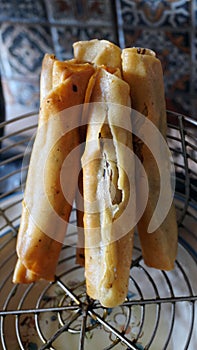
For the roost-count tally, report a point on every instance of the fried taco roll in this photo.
(99, 53)
(143, 72)
(109, 190)
(46, 209)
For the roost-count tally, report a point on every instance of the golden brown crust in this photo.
(108, 177)
(22, 275)
(99, 53)
(107, 237)
(45, 210)
(143, 72)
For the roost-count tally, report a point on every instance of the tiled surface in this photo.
(22, 49)
(30, 28)
(74, 12)
(156, 13)
(170, 29)
(23, 10)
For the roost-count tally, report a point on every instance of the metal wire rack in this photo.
(160, 311)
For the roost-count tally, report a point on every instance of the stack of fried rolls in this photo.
(101, 178)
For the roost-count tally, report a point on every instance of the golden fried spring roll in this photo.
(143, 72)
(109, 190)
(46, 211)
(99, 53)
(21, 273)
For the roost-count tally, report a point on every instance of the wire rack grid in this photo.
(160, 311)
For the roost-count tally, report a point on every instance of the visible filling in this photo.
(110, 172)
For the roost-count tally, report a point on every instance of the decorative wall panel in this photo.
(169, 28)
(29, 28)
